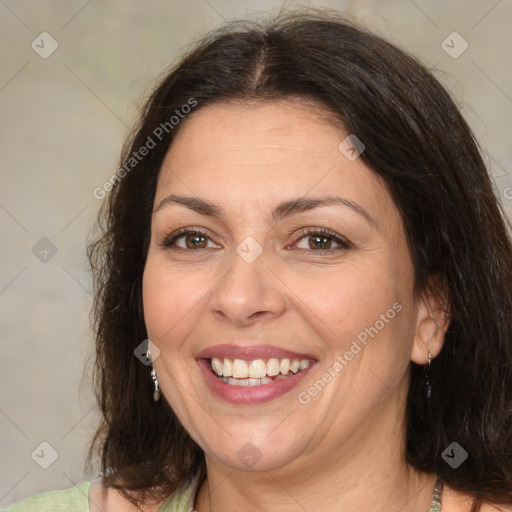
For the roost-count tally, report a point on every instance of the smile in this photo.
(239, 372)
(244, 373)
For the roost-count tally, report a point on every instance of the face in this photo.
(285, 326)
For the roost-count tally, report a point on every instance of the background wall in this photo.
(63, 119)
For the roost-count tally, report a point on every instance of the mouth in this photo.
(249, 374)
(256, 372)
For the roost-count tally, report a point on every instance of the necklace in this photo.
(435, 506)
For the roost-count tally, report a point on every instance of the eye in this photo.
(193, 239)
(321, 240)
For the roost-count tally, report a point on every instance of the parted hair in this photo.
(418, 143)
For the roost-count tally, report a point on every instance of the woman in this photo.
(304, 228)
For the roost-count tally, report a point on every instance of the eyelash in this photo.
(344, 244)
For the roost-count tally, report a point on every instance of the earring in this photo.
(156, 391)
(427, 374)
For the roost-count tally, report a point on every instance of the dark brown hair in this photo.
(418, 143)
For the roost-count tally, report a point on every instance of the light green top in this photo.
(76, 499)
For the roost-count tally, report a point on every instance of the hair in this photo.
(457, 233)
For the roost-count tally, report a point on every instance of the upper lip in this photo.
(250, 352)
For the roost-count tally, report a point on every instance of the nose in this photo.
(248, 292)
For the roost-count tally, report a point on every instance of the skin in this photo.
(345, 444)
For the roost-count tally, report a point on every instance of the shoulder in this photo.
(183, 499)
(489, 507)
(103, 498)
(75, 499)
(457, 501)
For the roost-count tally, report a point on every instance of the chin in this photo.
(252, 450)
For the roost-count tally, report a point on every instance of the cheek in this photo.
(346, 302)
(168, 301)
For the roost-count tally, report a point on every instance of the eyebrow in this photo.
(282, 210)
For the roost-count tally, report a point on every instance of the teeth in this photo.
(238, 372)
(227, 370)
(240, 369)
(257, 369)
(217, 365)
(273, 367)
(249, 382)
(304, 364)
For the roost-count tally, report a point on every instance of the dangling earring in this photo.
(156, 391)
(427, 375)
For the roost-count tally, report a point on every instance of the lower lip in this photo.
(250, 394)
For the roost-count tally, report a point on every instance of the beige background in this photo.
(63, 120)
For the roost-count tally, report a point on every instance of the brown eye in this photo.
(193, 239)
(322, 241)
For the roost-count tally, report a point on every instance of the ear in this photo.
(433, 319)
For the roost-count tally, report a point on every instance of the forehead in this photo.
(273, 130)
(265, 151)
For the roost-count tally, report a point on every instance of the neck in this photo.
(365, 473)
